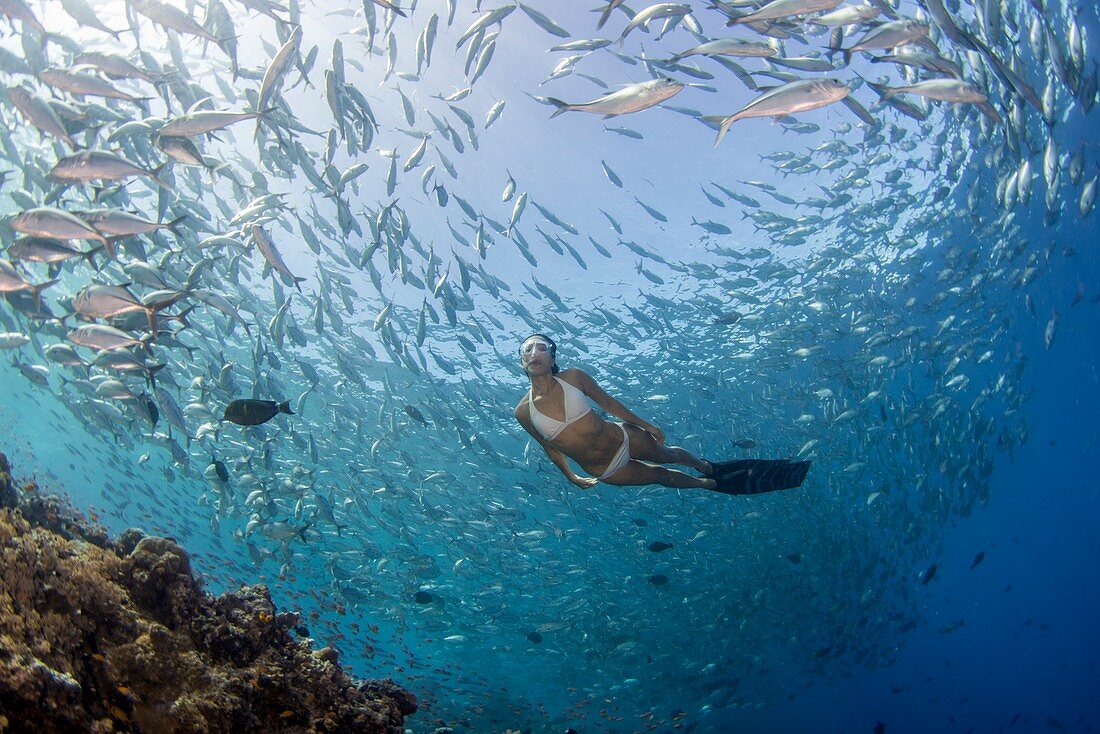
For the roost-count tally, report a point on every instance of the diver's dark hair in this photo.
(553, 350)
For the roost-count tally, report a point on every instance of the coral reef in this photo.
(103, 636)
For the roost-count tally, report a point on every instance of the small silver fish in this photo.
(633, 98)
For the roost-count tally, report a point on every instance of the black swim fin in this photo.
(718, 468)
(755, 476)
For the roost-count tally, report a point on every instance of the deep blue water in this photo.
(1029, 644)
(873, 308)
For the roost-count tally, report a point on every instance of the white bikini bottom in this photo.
(622, 457)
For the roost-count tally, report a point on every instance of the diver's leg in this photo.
(636, 473)
(643, 446)
(683, 457)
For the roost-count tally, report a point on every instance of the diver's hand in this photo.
(585, 482)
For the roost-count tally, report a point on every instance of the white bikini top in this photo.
(576, 407)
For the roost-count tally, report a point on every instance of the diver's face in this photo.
(534, 355)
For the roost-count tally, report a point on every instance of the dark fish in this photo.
(639, 522)
(254, 412)
(880, 728)
(977, 560)
(745, 443)
(415, 414)
(534, 637)
(219, 469)
(929, 574)
(658, 579)
(659, 545)
(794, 557)
(423, 597)
(149, 410)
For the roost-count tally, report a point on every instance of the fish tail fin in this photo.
(37, 290)
(175, 223)
(214, 171)
(284, 407)
(604, 15)
(181, 317)
(154, 175)
(89, 255)
(108, 244)
(562, 107)
(723, 127)
(836, 42)
(146, 342)
(261, 117)
(151, 373)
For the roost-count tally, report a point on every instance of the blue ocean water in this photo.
(813, 610)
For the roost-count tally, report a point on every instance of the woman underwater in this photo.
(557, 414)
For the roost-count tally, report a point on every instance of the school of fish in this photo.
(256, 250)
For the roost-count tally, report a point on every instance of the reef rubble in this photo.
(102, 635)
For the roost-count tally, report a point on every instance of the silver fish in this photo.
(494, 113)
(799, 96)
(168, 16)
(101, 336)
(48, 221)
(100, 165)
(784, 9)
(267, 247)
(946, 90)
(1088, 198)
(108, 301)
(198, 123)
(277, 70)
(80, 84)
(117, 223)
(391, 7)
(848, 15)
(653, 12)
(484, 21)
(729, 47)
(47, 250)
(633, 98)
(13, 340)
(888, 35)
(19, 10)
(39, 114)
(543, 22)
(84, 14)
(12, 282)
(114, 66)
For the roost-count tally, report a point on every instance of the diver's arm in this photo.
(612, 406)
(556, 456)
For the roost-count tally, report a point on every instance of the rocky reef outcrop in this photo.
(102, 635)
